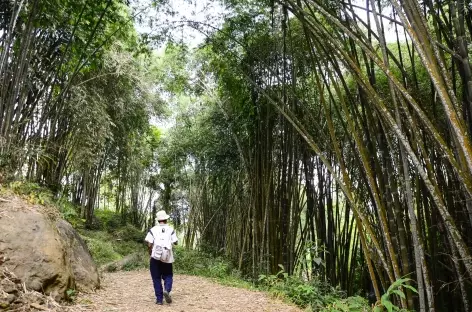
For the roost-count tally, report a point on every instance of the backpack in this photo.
(160, 253)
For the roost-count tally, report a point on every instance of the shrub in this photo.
(69, 212)
(316, 295)
(129, 233)
(141, 260)
(33, 192)
(102, 251)
(108, 220)
(396, 289)
(198, 263)
(127, 247)
(350, 304)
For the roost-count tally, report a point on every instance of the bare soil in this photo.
(132, 291)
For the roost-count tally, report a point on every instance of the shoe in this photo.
(167, 297)
(158, 302)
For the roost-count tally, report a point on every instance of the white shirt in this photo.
(163, 235)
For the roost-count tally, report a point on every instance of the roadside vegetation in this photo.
(109, 241)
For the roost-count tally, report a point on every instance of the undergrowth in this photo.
(110, 240)
(110, 245)
(105, 248)
(193, 262)
(314, 295)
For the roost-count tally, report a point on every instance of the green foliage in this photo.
(69, 212)
(139, 261)
(124, 247)
(199, 263)
(350, 304)
(108, 247)
(108, 220)
(171, 69)
(394, 289)
(114, 247)
(33, 192)
(314, 295)
(71, 294)
(102, 250)
(128, 233)
(113, 241)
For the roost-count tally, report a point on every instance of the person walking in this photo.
(160, 240)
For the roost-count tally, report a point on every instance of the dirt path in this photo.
(132, 291)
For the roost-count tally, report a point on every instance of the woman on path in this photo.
(160, 239)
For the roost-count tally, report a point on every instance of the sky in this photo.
(203, 12)
(390, 35)
(212, 12)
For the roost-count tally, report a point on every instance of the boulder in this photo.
(43, 250)
(83, 267)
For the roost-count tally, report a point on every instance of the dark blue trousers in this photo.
(161, 271)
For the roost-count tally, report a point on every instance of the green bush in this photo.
(102, 251)
(129, 233)
(314, 295)
(33, 192)
(26, 188)
(350, 304)
(127, 247)
(70, 213)
(395, 290)
(108, 220)
(114, 248)
(141, 260)
(194, 262)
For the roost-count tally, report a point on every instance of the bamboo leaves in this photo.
(387, 131)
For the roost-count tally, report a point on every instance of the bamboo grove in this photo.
(75, 103)
(337, 144)
(330, 137)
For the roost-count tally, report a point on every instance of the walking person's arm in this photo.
(150, 241)
(173, 238)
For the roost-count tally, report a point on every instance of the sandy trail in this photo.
(132, 291)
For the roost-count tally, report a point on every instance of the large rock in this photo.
(83, 267)
(43, 250)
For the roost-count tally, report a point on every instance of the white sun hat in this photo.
(162, 215)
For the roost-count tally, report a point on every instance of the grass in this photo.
(104, 248)
(314, 295)
(111, 245)
(107, 247)
(193, 262)
(102, 251)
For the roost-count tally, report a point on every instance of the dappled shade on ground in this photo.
(132, 291)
